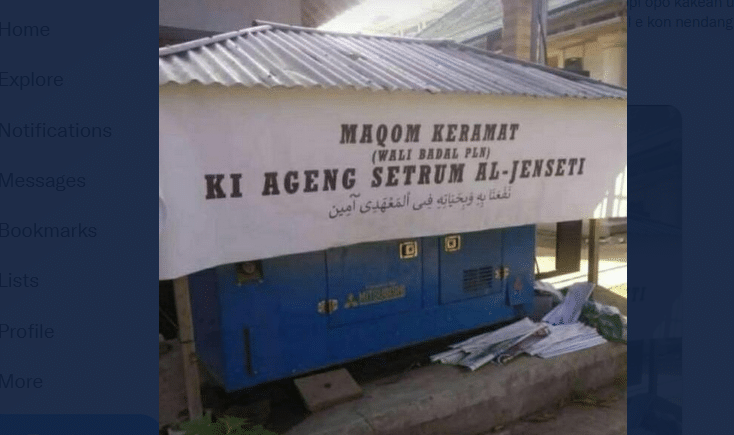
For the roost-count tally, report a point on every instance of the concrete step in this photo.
(442, 399)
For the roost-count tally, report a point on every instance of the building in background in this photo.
(587, 36)
(404, 18)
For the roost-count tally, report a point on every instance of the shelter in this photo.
(275, 99)
(334, 195)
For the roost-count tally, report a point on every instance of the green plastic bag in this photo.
(608, 321)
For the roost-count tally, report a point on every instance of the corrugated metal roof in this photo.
(473, 18)
(273, 55)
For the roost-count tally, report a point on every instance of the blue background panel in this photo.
(655, 396)
(98, 294)
(76, 424)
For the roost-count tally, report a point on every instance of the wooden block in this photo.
(327, 389)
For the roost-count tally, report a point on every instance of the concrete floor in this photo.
(605, 413)
(439, 399)
(612, 263)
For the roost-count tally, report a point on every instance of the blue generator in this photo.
(266, 320)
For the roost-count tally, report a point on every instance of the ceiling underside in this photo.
(317, 12)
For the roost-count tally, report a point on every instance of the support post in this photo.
(543, 32)
(568, 246)
(516, 28)
(614, 58)
(534, 31)
(594, 228)
(188, 349)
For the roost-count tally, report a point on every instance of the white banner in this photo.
(249, 174)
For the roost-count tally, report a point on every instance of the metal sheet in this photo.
(508, 332)
(569, 310)
(480, 350)
(273, 55)
(566, 338)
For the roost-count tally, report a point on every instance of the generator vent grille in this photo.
(477, 280)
